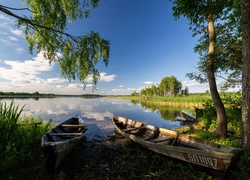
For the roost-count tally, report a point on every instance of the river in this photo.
(96, 112)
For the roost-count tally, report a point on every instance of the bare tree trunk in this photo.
(245, 10)
(221, 130)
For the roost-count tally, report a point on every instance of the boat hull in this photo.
(58, 144)
(180, 146)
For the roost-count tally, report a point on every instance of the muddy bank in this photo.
(118, 158)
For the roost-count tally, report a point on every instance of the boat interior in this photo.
(68, 130)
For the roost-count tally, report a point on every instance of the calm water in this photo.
(97, 112)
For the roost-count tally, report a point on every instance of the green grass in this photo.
(20, 141)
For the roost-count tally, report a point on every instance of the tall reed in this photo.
(8, 123)
(20, 140)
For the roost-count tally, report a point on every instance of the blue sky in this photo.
(147, 44)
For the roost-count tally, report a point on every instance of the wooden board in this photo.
(65, 134)
(73, 125)
(133, 128)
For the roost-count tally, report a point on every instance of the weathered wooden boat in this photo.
(58, 142)
(180, 146)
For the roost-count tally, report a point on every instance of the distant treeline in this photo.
(25, 94)
(37, 94)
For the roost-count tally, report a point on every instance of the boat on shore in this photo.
(59, 142)
(180, 146)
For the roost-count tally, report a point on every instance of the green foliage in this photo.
(209, 114)
(80, 61)
(45, 31)
(185, 91)
(169, 86)
(134, 93)
(228, 46)
(233, 111)
(233, 100)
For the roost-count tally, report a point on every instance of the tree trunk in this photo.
(221, 130)
(245, 10)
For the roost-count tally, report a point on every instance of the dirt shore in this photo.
(117, 158)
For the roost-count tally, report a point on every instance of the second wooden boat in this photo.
(180, 146)
(58, 142)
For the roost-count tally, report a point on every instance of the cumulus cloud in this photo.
(25, 71)
(106, 78)
(195, 86)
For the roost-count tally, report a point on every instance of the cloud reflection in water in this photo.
(96, 112)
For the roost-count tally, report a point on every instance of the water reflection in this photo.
(98, 112)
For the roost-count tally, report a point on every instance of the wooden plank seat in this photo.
(132, 129)
(162, 140)
(72, 125)
(66, 134)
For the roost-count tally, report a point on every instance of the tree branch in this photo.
(34, 24)
(16, 9)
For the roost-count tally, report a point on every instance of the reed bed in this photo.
(191, 100)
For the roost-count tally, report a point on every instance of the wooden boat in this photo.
(180, 146)
(58, 142)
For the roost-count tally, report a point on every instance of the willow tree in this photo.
(45, 30)
(203, 16)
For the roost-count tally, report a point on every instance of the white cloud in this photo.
(75, 86)
(12, 38)
(59, 86)
(16, 32)
(26, 72)
(28, 67)
(5, 18)
(194, 86)
(9, 32)
(103, 77)
(4, 41)
(116, 90)
(148, 82)
(19, 50)
(107, 78)
(56, 80)
(131, 89)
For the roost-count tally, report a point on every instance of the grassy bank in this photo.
(180, 101)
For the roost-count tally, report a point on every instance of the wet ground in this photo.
(118, 158)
